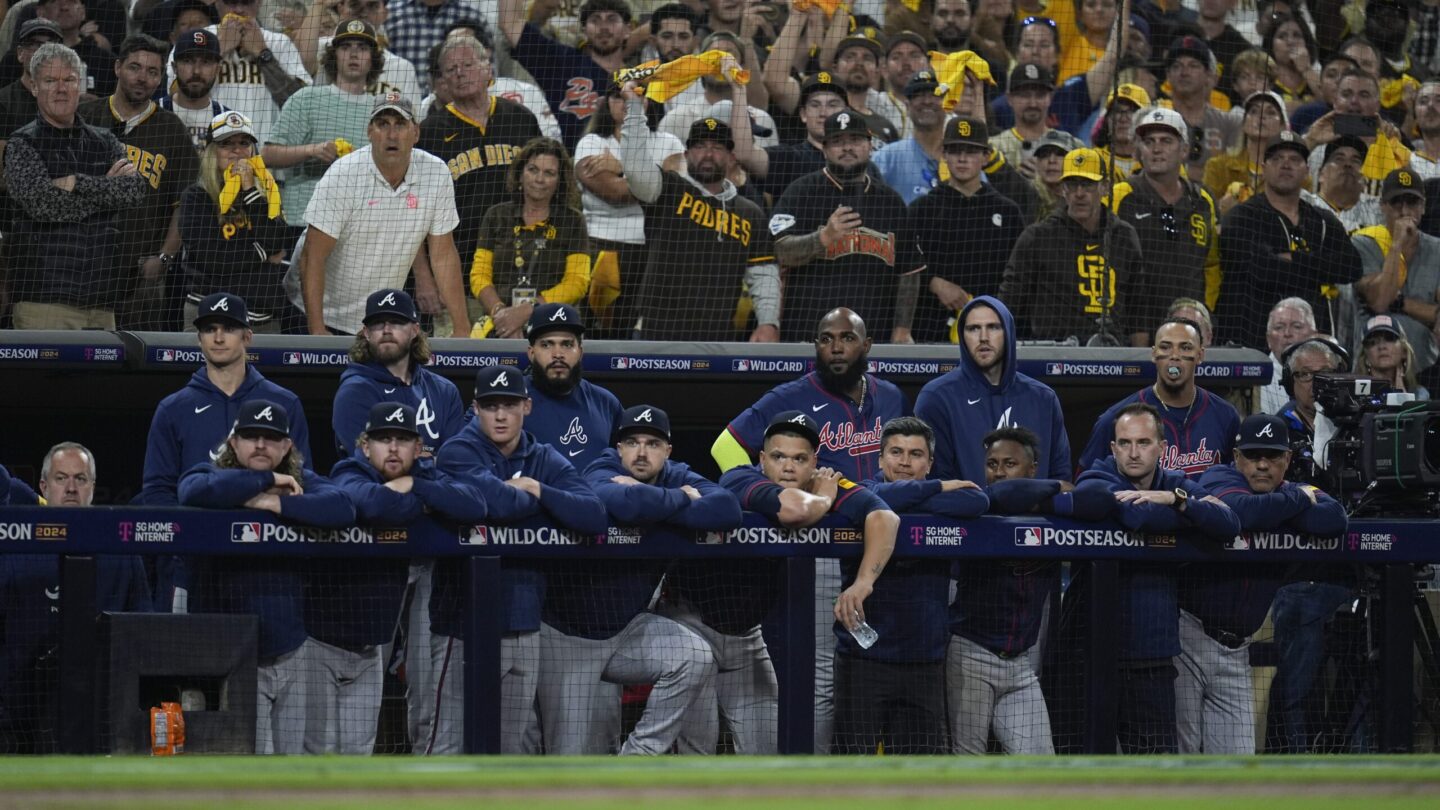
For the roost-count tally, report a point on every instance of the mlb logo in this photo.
(619, 362)
(244, 532)
(710, 538)
(1054, 369)
(475, 536)
(1028, 536)
(739, 365)
(291, 359)
(167, 355)
(1238, 543)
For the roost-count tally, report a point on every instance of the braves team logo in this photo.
(1265, 431)
(644, 416)
(502, 381)
(1197, 461)
(387, 301)
(266, 414)
(223, 305)
(425, 417)
(559, 316)
(244, 532)
(799, 419)
(575, 433)
(397, 416)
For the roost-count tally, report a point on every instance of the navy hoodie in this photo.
(1234, 596)
(907, 607)
(962, 406)
(354, 603)
(1149, 608)
(272, 589)
(612, 592)
(565, 500)
(439, 409)
(579, 424)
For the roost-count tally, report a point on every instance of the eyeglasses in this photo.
(1302, 376)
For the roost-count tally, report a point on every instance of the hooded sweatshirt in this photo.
(962, 406)
(565, 500)
(439, 410)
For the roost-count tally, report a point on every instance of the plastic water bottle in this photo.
(865, 635)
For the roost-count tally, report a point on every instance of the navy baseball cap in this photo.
(262, 414)
(644, 419)
(795, 422)
(391, 417)
(822, 82)
(549, 317)
(391, 303)
(197, 40)
(500, 381)
(710, 129)
(38, 25)
(1287, 140)
(223, 306)
(922, 82)
(1263, 432)
(845, 122)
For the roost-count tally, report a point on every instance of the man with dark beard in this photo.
(950, 22)
(197, 65)
(574, 416)
(850, 406)
(699, 214)
(845, 240)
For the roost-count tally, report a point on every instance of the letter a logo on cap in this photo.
(798, 419)
(223, 305)
(558, 316)
(1265, 431)
(397, 416)
(644, 416)
(266, 415)
(388, 300)
(503, 379)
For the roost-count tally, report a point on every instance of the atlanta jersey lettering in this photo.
(1198, 437)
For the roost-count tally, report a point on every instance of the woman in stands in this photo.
(1297, 76)
(533, 248)
(614, 218)
(1235, 176)
(1388, 355)
(233, 236)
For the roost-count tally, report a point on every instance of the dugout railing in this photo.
(1389, 547)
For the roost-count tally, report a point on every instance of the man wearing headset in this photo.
(1299, 365)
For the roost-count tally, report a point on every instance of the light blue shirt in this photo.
(907, 169)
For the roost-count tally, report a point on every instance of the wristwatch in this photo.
(1398, 305)
(1182, 497)
(265, 57)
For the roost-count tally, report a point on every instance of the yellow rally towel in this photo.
(950, 69)
(482, 328)
(1384, 156)
(831, 6)
(263, 179)
(1381, 235)
(665, 81)
(342, 148)
(1392, 91)
(605, 282)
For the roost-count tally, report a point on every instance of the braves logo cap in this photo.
(391, 303)
(795, 422)
(222, 306)
(391, 416)
(549, 317)
(262, 414)
(644, 419)
(1263, 432)
(500, 381)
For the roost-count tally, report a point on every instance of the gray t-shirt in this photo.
(1422, 278)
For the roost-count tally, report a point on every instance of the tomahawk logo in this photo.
(223, 305)
(558, 316)
(388, 300)
(266, 414)
(397, 416)
(1028, 536)
(244, 532)
(644, 416)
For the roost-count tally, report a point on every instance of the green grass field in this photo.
(720, 783)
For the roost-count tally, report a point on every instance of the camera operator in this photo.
(1301, 362)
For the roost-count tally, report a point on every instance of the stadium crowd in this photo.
(1094, 172)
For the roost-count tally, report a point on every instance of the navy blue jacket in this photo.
(999, 604)
(439, 409)
(1234, 596)
(580, 424)
(190, 425)
(354, 603)
(603, 596)
(1149, 611)
(962, 406)
(907, 607)
(271, 589)
(565, 500)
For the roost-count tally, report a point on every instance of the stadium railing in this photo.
(1391, 547)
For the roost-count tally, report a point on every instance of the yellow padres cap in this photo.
(1133, 93)
(1083, 163)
